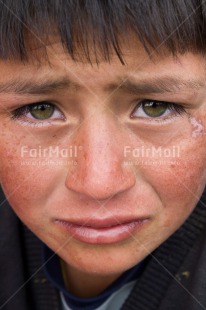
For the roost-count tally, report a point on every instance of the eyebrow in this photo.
(156, 85)
(31, 87)
(144, 86)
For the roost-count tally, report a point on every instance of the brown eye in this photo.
(41, 111)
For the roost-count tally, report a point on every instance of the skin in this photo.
(100, 184)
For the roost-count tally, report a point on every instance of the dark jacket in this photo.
(173, 279)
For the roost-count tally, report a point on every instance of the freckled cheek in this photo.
(28, 188)
(20, 185)
(180, 184)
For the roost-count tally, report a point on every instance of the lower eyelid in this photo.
(37, 123)
(170, 117)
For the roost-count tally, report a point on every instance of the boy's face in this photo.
(117, 161)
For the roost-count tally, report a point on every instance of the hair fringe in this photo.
(91, 28)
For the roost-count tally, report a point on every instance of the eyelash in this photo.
(22, 111)
(173, 107)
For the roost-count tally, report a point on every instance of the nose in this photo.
(100, 172)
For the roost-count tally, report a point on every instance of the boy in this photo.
(102, 119)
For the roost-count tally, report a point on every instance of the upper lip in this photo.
(102, 223)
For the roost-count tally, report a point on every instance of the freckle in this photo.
(197, 127)
(172, 166)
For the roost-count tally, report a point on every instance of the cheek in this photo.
(179, 182)
(27, 187)
(21, 186)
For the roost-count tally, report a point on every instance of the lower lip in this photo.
(106, 235)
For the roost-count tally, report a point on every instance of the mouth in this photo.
(102, 231)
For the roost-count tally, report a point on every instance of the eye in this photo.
(38, 111)
(156, 109)
(42, 111)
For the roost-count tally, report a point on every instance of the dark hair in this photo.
(99, 25)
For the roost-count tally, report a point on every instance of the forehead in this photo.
(51, 61)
